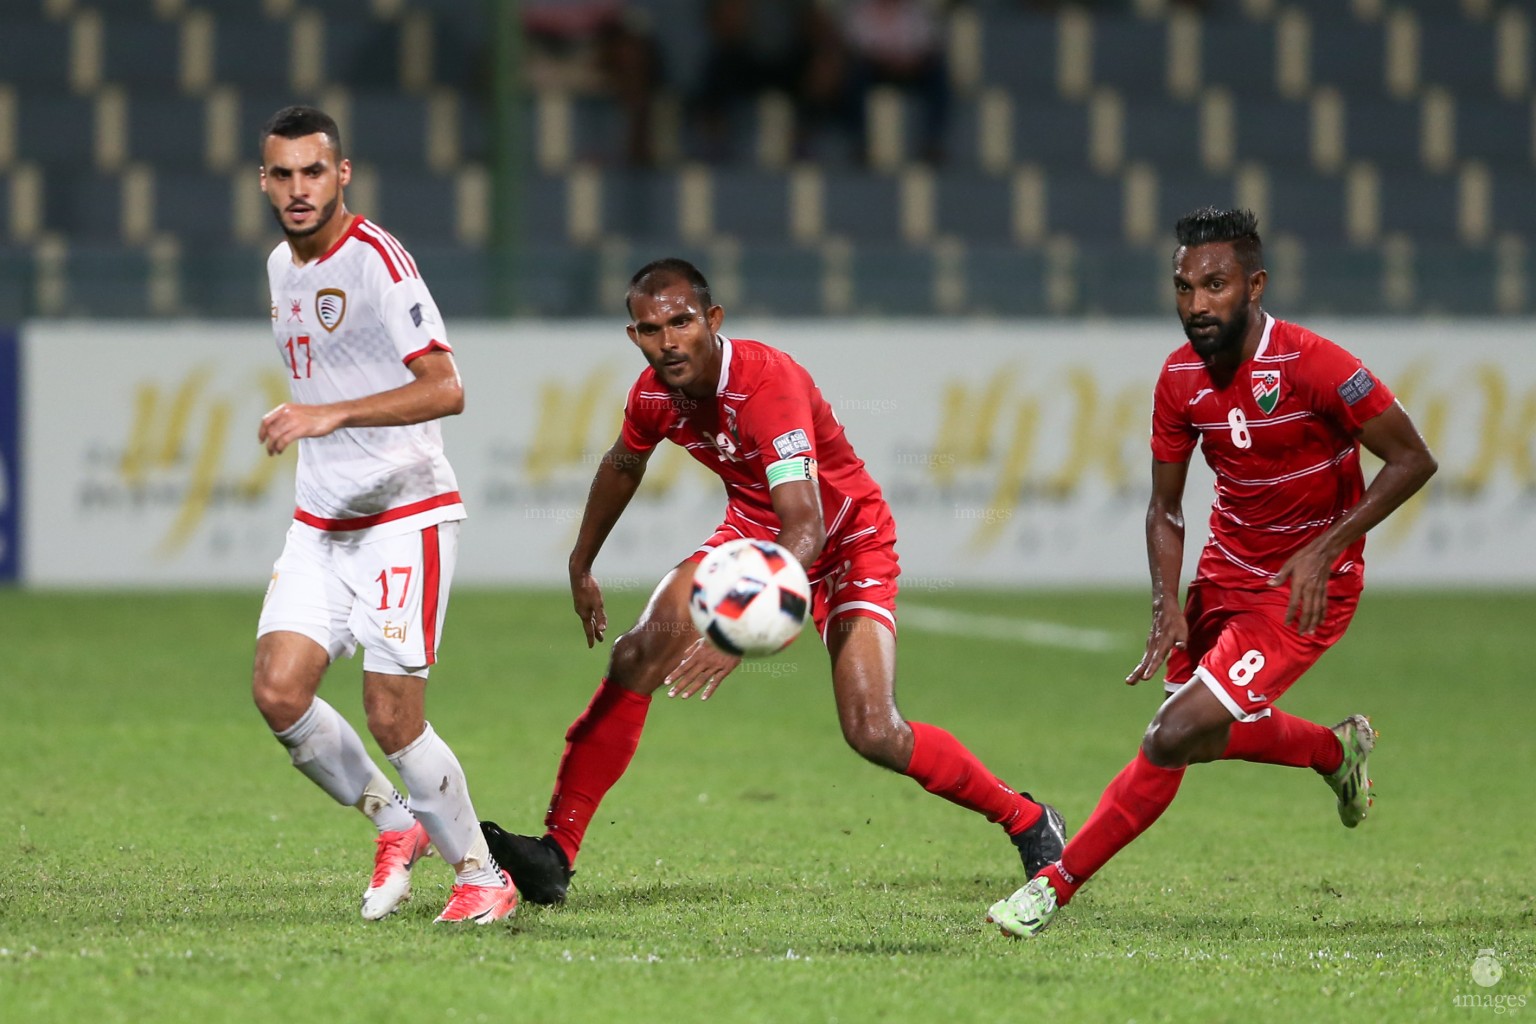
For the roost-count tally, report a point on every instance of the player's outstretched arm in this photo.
(1408, 465)
(1165, 559)
(802, 527)
(618, 476)
(436, 392)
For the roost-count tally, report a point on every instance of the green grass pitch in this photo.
(163, 862)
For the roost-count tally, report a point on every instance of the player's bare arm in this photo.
(802, 528)
(803, 532)
(1408, 465)
(436, 392)
(1165, 559)
(618, 476)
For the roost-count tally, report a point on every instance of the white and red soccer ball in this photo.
(750, 597)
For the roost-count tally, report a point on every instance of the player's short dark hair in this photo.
(655, 275)
(1240, 227)
(298, 121)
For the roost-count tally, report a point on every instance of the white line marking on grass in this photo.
(996, 627)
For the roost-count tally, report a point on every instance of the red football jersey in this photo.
(767, 409)
(1281, 439)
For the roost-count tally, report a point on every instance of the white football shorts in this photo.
(390, 594)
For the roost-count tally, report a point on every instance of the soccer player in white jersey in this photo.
(370, 555)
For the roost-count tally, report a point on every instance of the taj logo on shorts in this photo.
(394, 631)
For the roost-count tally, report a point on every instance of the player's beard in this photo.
(324, 217)
(1228, 336)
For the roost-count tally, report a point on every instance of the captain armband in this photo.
(802, 467)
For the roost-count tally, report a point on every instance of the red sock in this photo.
(1134, 800)
(941, 765)
(1285, 739)
(598, 747)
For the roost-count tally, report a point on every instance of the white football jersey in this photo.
(346, 325)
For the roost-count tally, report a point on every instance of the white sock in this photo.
(384, 805)
(326, 748)
(439, 798)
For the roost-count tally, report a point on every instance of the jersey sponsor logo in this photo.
(395, 630)
(1360, 384)
(1266, 390)
(792, 443)
(330, 307)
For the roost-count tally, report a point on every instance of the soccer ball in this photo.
(750, 597)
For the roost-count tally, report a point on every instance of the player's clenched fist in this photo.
(289, 422)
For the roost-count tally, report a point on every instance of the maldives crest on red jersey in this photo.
(1266, 389)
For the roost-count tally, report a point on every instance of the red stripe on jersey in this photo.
(433, 345)
(378, 246)
(387, 516)
(351, 232)
(432, 580)
(392, 251)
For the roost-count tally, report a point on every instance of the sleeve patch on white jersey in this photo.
(791, 444)
(420, 315)
(1357, 387)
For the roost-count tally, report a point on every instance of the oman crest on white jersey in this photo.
(330, 307)
(1266, 389)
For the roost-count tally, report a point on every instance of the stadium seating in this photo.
(1391, 147)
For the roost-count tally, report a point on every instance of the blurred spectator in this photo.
(900, 43)
(756, 46)
(601, 47)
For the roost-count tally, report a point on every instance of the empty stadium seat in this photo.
(1459, 54)
(977, 208)
(1050, 131)
(1350, 56)
(1019, 53)
(1422, 205)
(107, 280)
(892, 280)
(1163, 132)
(35, 54)
(362, 53)
(1497, 131)
(83, 205)
(1239, 56)
(862, 206)
(56, 129)
(1384, 130)
(783, 280)
(1007, 280)
(1343, 279)
(1131, 54)
(1309, 205)
(751, 205)
(198, 206)
(167, 129)
(1273, 131)
(418, 206)
(252, 53)
(1457, 279)
(141, 52)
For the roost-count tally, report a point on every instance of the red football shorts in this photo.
(861, 582)
(1242, 650)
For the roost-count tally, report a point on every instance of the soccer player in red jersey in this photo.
(1280, 414)
(754, 416)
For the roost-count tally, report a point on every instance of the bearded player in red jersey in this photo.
(1280, 414)
(752, 415)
